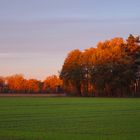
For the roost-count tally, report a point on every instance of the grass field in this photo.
(32, 118)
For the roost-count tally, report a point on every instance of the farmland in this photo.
(67, 118)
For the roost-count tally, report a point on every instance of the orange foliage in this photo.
(16, 83)
(32, 86)
(51, 83)
(105, 67)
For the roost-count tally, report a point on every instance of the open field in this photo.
(31, 118)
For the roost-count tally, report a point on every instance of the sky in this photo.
(36, 35)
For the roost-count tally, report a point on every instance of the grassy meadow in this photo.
(32, 118)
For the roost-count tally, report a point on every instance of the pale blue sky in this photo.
(36, 35)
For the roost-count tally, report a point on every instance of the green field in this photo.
(33, 118)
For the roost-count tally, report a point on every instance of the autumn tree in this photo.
(88, 59)
(2, 83)
(71, 72)
(32, 86)
(133, 51)
(109, 54)
(52, 84)
(16, 83)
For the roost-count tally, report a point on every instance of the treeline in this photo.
(112, 68)
(18, 84)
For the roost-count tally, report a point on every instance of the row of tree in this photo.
(18, 84)
(110, 69)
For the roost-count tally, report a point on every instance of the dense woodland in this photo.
(111, 69)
